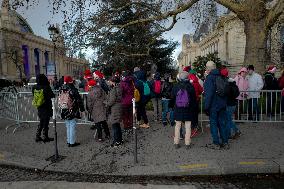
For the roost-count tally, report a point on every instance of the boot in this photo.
(47, 139)
(38, 133)
(38, 139)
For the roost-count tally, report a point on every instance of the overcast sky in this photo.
(39, 16)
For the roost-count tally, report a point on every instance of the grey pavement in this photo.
(80, 185)
(258, 150)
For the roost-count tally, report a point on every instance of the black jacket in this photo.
(233, 92)
(270, 82)
(44, 110)
(184, 114)
(77, 106)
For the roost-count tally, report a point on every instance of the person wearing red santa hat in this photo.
(69, 95)
(99, 77)
(270, 83)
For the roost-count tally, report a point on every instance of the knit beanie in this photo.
(210, 65)
(68, 79)
(183, 75)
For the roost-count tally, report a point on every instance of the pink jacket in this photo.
(242, 83)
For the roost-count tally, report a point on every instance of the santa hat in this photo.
(97, 74)
(87, 74)
(92, 83)
(224, 72)
(271, 69)
(187, 68)
(68, 79)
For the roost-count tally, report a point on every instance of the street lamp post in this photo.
(53, 33)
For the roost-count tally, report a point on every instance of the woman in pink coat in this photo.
(242, 83)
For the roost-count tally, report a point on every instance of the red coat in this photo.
(197, 87)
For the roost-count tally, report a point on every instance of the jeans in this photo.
(218, 127)
(166, 110)
(117, 135)
(187, 132)
(230, 124)
(100, 127)
(71, 131)
(157, 104)
(253, 109)
(141, 112)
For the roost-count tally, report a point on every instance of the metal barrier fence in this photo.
(18, 108)
(267, 108)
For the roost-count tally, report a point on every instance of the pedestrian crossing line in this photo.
(193, 166)
(251, 163)
(1, 156)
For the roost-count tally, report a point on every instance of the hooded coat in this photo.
(45, 110)
(114, 103)
(96, 104)
(127, 89)
(213, 102)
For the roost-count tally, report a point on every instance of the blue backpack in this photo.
(146, 89)
(182, 99)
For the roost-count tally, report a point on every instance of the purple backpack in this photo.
(182, 99)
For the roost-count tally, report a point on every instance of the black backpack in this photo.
(222, 85)
(234, 90)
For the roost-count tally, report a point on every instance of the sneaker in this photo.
(93, 127)
(38, 139)
(177, 146)
(47, 139)
(237, 135)
(188, 146)
(173, 124)
(165, 124)
(194, 132)
(146, 126)
(213, 146)
(100, 140)
(116, 144)
(225, 146)
(73, 145)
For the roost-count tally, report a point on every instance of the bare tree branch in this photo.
(274, 13)
(163, 16)
(236, 7)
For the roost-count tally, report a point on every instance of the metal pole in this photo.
(56, 156)
(55, 70)
(134, 132)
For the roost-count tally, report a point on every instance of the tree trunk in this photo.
(256, 45)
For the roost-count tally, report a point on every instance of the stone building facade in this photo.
(228, 40)
(24, 55)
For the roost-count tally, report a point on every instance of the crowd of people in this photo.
(175, 102)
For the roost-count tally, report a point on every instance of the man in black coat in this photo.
(45, 110)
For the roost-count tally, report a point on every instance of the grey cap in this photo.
(183, 75)
(210, 65)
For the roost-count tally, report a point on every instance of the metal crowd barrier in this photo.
(18, 108)
(269, 107)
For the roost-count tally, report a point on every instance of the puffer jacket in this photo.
(96, 104)
(213, 102)
(242, 83)
(114, 103)
(255, 83)
(127, 89)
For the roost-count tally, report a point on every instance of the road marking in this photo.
(252, 163)
(1, 156)
(193, 166)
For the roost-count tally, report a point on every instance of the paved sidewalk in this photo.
(80, 185)
(259, 150)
